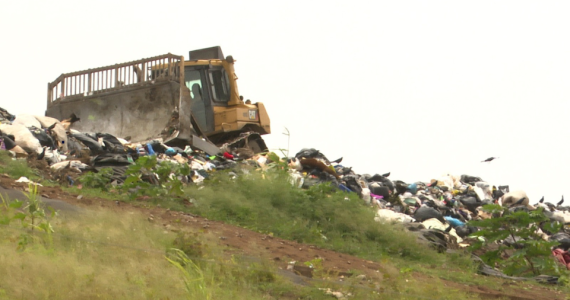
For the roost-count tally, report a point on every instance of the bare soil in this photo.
(282, 252)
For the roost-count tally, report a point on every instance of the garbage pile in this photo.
(73, 152)
(438, 211)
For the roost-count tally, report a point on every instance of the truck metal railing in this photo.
(115, 77)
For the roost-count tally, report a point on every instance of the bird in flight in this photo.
(489, 159)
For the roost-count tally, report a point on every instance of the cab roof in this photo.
(206, 53)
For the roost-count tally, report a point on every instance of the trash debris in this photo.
(26, 180)
(437, 211)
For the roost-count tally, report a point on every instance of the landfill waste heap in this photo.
(437, 211)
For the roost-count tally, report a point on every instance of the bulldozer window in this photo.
(219, 84)
(192, 77)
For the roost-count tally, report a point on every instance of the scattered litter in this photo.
(437, 210)
(26, 180)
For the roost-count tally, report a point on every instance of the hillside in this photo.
(398, 268)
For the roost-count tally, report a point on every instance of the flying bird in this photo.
(489, 159)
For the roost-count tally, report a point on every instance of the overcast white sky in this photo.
(418, 88)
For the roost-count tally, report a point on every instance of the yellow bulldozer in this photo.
(185, 102)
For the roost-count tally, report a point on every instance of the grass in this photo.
(91, 257)
(106, 256)
(16, 168)
(95, 193)
(329, 219)
(319, 216)
(103, 255)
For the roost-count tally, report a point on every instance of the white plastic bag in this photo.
(27, 121)
(22, 137)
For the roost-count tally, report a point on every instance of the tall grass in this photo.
(104, 255)
(319, 215)
(95, 256)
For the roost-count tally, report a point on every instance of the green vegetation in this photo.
(32, 216)
(97, 180)
(15, 168)
(163, 184)
(106, 256)
(330, 219)
(102, 255)
(86, 260)
(527, 254)
(267, 202)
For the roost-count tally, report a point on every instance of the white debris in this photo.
(23, 137)
(74, 165)
(26, 180)
(434, 223)
(337, 294)
(383, 215)
(26, 121)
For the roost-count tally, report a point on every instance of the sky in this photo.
(416, 88)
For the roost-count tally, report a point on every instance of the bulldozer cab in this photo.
(209, 84)
(209, 87)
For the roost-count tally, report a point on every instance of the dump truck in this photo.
(185, 102)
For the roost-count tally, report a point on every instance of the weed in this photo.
(97, 180)
(192, 274)
(316, 265)
(150, 178)
(32, 217)
(190, 245)
(527, 253)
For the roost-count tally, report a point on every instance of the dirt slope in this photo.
(254, 244)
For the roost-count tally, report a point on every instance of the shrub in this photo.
(141, 178)
(528, 253)
(98, 180)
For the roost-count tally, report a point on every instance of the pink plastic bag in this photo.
(562, 256)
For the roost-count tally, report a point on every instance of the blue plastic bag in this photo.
(170, 152)
(150, 151)
(453, 221)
